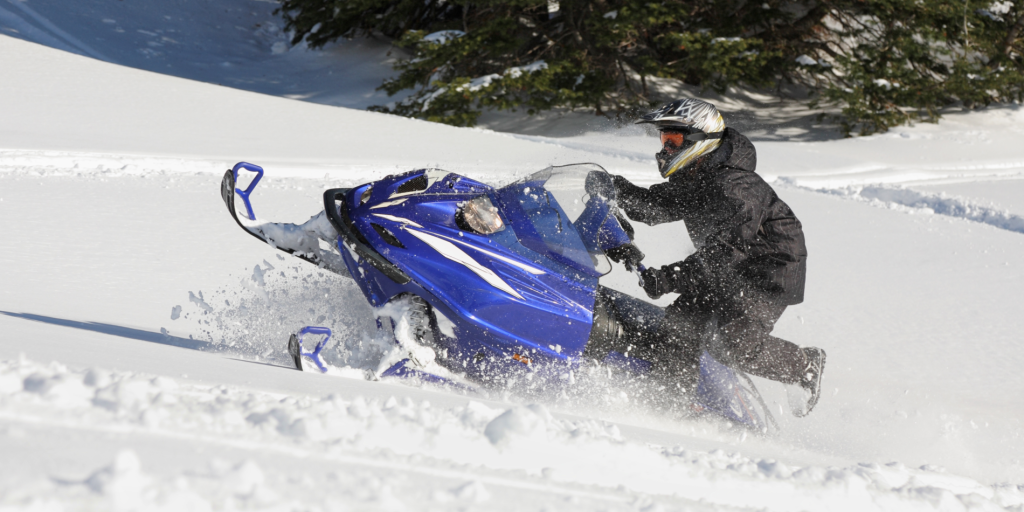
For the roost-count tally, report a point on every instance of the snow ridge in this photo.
(912, 201)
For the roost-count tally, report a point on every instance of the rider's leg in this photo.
(745, 343)
(675, 351)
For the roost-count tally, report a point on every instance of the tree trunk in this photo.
(1012, 36)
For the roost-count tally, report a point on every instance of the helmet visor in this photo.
(673, 140)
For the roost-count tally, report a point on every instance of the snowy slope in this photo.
(111, 219)
(62, 101)
(237, 43)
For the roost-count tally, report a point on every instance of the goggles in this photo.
(675, 139)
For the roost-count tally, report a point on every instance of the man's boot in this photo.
(803, 395)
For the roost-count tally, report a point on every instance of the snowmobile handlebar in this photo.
(639, 271)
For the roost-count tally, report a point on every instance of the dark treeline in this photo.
(883, 62)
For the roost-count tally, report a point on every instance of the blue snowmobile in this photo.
(501, 282)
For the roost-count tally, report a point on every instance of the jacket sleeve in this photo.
(732, 234)
(656, 205)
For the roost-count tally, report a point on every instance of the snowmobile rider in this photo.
(749, 265)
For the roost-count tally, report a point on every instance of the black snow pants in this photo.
(735, 331)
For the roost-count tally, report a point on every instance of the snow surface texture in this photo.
(153, 329)
(396, 453)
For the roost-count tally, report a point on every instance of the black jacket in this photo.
(747, 239)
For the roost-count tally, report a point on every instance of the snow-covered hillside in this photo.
(142, 333)
(237, 43)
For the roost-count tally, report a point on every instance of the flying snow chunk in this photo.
(257, 276)
(199, 301)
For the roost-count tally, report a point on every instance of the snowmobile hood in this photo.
(394, 189)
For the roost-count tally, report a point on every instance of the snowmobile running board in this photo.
(402, 370)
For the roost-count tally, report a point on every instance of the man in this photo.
(749, 265)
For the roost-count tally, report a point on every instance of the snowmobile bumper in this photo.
(297, 352)
(244, 194)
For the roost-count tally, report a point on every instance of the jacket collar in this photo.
(736, 152)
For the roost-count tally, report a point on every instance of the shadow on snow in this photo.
(117, 330)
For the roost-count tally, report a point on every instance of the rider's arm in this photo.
(733, 232)
(651, 206)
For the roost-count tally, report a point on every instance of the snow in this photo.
(517, 71)
(881, 82)
(478, 449)
(111, 219)
(806, 60)
(237, 43)
(920, 202)
(485, 81)
(443, 36)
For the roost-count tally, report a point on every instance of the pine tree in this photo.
(884, 62)
(896, 61)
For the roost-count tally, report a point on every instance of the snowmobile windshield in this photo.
(553, 214)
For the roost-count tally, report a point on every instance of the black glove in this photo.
(627, 254)
(655, 282)
(599, 183)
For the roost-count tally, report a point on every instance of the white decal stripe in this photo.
(533, 270)
(387, 203)
(452, 252)
(400, 194)
(396, 219)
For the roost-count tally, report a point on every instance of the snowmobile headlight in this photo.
(482, 216)
(366, 196)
